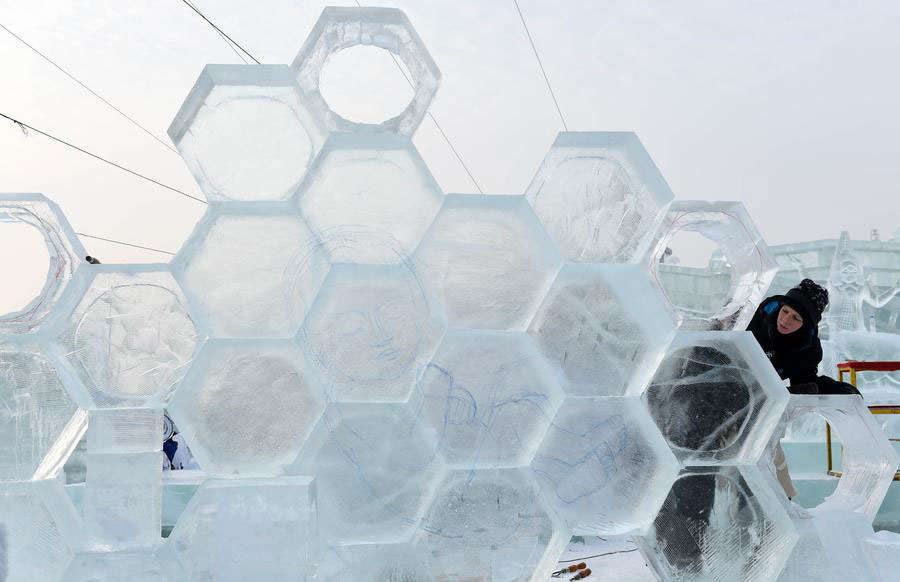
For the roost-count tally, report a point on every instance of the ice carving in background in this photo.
(63, 247)
(728, 225)
(716, 398)
(605, 327)
(600, 196)
(130, 336)
(603, 465)
(719, 523)
(245, 134)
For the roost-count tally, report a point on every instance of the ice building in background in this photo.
(385, 382)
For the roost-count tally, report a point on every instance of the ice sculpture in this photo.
(883, 550)
(719, 523)
(716, 398)
(752, 265)
(600, 196)
(604, 327)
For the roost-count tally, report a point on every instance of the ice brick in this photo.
(340, 28)
(603, 465)
(39, 424)
(376, 469)
(369, 184)
(400, 562)
(600, 196)
(245, 133)
(370, 332)
(492, 525)
(247, 406)
(130, 336)
(131, 566)
(719, 524)
(64, 249)
(883, 550)
(246, 529)
(488, 261)
(125, 430)
(830, 549)
(251, 270)
(39, 528)
(716, 398)
(751, 264)
(605, 327)
(489, 396)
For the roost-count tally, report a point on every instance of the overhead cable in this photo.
(118, 242)
(219, 30)
(89, 90)
(102, 159)
(541, 65)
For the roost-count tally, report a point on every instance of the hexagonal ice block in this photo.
(376, 469)
(373, 187)
(604, 466)
(488, 261)
(64, 248)
(251, 270)
(370, 332)
(400, 562)
(247, 406)
(868, 462)
(489, 395)
(130, 337)
(245, 133)
(605, 327)
(599, 195)
(135, 566)
(752, 266)
(39, 423)
(38, 529)
(719, 523)
(339, 28)
(831, 548)
(492, 525)
(716, 398)
(246, 529)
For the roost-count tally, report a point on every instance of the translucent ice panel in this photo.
(376, 469)
(370, 332)
(133, 566)
(489, 396)
(752, 266)
(401, 562)
(129, 337)
(38, 527)
(831, 548)
(605, 327)
(491, 525)
(719, 524)
(245, 134)
(487, 259)
(246, 529)
(377, 184)
(123, 499)
(883, 550)
(603, 465)
(125, 430)
(35, 413)
(716, 398)
(339, 28)
(599, 195)
(251, 272)
(63, 247)
(247, 406)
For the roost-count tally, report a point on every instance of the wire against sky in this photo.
(223, 37)
(89, 90)
(102, 159)
(118, 242)
(541, 65)
(219, 30)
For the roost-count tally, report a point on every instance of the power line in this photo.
(219, 30)
(88, 89)
(541, 65)
(435, 121)
(118, 242)
(95, 156)
(223, 37)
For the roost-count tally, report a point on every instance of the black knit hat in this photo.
(809, 298)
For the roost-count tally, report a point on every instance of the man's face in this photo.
(789, 320)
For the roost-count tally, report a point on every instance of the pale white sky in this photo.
(790, 107)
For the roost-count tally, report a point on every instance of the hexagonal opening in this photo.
(366, 84)
(25, 260)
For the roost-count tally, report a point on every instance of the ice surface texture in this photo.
(728, 225)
